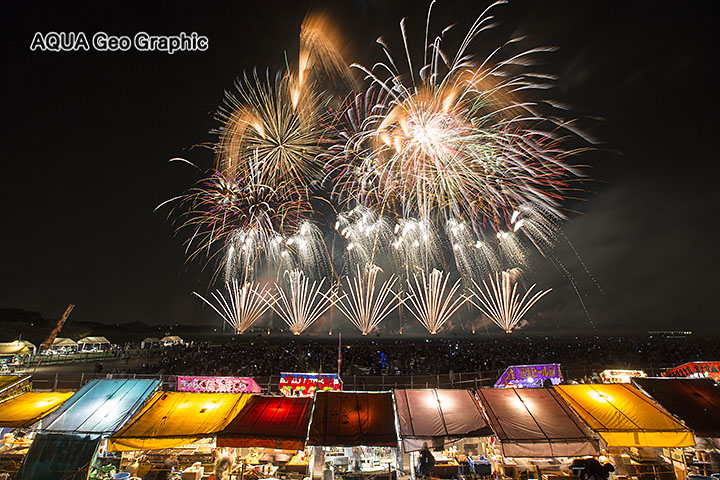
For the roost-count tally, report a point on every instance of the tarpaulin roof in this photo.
(624, 417)
(54, 456)
(94, 340)
(171, 419)
(8, 349)
(101, 406)
(348, 419)
(433, 415)
(696, 401)
(28, 408)
(536, 423)
(269, 422)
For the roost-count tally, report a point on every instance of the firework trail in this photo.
(367, 233)
(430, 302)
(364, 304)
(243, 306)
(300, 303)
(501, 302)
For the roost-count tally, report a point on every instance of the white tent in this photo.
(63, 344)
(171, 340)
(93, 343)
(149, 342)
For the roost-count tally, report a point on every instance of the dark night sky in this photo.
(87, 137)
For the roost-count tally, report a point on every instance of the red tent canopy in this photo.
(269, 422)
(348, 419)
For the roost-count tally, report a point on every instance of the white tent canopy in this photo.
(149, 341)
(89, 343)
(171, 340)
(64, 342)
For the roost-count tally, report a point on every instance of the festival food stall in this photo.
(695, 370)
(444, 420)
(634, 429)
(18, 414)
(62, 345)
(620, 376)
(179, 423)
(695, 401)
(269, 433)
(530, 376)
(354, 433)
(536, 430)
(71, 435)
(305, 384)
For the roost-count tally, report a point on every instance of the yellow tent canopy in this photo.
(28, 408)
(171, 419)
(624, 417)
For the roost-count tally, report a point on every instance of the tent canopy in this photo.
(101, 406)
(171, 339)
(28, 408)
(54, 456)
(64, 342)
(151, 340)
(624, 417)
(536, 423)
(94, 341)
(10, 349)
(171, 419)
(348, 419)
(696, 401)
(435, 415)
(269, 422)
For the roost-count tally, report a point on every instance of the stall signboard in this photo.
(14, 385)
(621, 376)
(530, 376)
(695, 370)
(305, 384)
(217, 385)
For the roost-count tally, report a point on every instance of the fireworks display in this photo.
(425, 169)
(299, 302)
(244, 305)
(365, 304)
(431, 302)
(502, 303)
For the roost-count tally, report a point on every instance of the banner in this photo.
(530, 376)
(305, 384)
(695, 370)
(217, 385)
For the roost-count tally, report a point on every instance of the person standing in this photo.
(426, 462)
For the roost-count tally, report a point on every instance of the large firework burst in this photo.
(451, 140)
(277, 123)
(301, 303)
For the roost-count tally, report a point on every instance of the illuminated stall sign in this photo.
(13, 385)
(305, 384)
(530, 376)
(217, 385)
(621, 376)
(695, 370)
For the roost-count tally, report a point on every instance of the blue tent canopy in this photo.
(100, 407)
